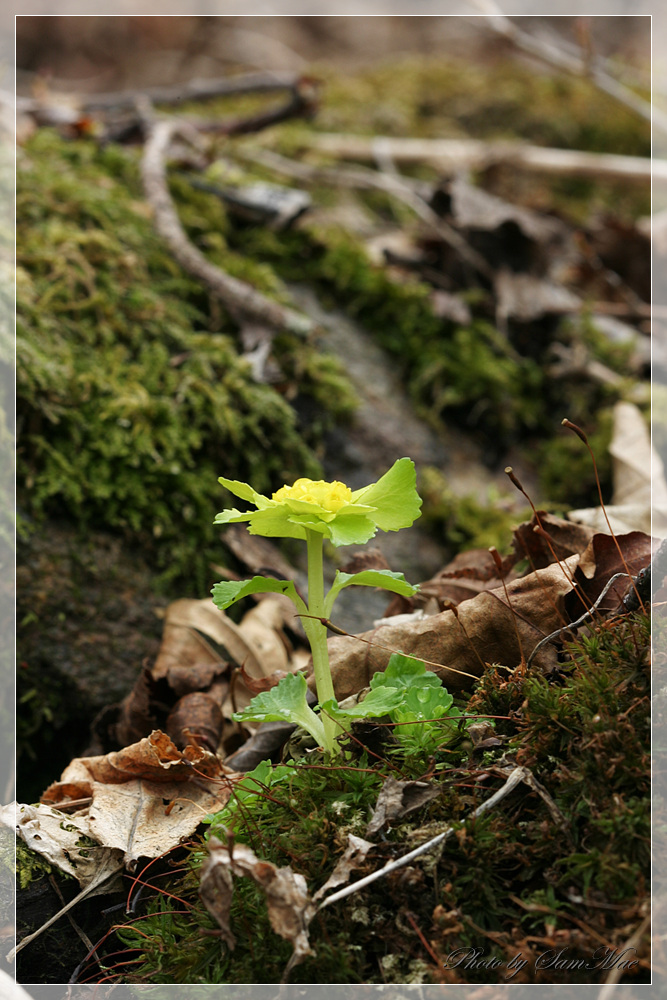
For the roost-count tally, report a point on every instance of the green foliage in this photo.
(587, 739)
(132, 394)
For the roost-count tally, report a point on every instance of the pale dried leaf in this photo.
(354, 856)
(639, 501)
(147, 797)
(524, 297)
(56, 836)
(188, 623)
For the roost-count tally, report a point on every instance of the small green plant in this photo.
(312, 511)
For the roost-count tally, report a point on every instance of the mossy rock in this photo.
(133, 396)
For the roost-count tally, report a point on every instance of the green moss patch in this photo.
(133, 396)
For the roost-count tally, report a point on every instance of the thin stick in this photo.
(580, 621)
(515, 778)
(582, 437)
(101, 877)
(395, 185)
(234, 294)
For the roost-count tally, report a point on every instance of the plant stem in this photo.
(317, 633)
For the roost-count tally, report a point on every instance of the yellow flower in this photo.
(333, 510)
(329, 496)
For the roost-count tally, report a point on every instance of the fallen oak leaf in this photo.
(147, 797)
(257, 684)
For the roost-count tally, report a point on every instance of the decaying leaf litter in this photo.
(180, 707)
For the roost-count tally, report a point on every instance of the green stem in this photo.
(317, 633)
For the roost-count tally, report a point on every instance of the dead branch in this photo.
(399, 187)
(196, 90)
(556, 56)
(515, 777)
(474, 154)
(301, 103)
(237, 296)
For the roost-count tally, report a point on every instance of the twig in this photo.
(630, 945)
(102, 876)
(475, 154)
(555, 56)
(75, 927)
(301, 102)
(395, 185)
(515, 778)
(587, 615)
(234, 294)
(197, 90)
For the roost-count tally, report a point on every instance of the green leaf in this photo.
(230, 591)
(244, 492)
(286, 702)
(375, 704)
(230, 515)
(352, 529)
(394, 496)
(403, 671)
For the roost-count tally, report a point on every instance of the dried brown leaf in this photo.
(195, 719)
(601, 560)
(354, 856)
(147, 797)
(484, 631)
(397, 799)
(565, 539)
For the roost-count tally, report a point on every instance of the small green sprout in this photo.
(312, 511)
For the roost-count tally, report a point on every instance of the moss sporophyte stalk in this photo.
(312, 511)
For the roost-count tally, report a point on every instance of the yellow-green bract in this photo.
(333, 510)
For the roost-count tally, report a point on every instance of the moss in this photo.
(31, 867)
(464, 522)
(566, 473)
(133, 395)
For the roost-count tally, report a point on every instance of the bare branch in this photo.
(197, 90)
(556, 56)
(393, 184)
(474, 154)
(236, 295)
(515, 778)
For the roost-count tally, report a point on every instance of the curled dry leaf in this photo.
(601, 560)
(288, 902)
(397, 799)
(565, 539)
(484, 630)
(200, 646)
(195, 719)
(145, 798)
